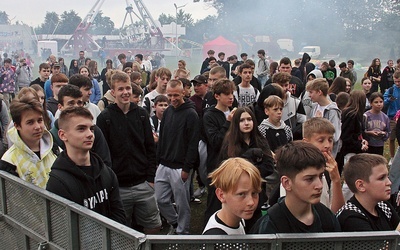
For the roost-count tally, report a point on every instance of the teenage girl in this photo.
(377, 125)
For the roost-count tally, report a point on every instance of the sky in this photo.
(33, 12)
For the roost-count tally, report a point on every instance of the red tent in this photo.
(220, 44)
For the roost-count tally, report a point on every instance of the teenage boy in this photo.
(137, 92)
(57, 82)
(187, 87)
(296, 85)
(323, 107)
(200, 86)
(85, 85)
(246, 94)
(44, 72)
(320, 132)
(350, 66)
(368, 210)
(238, 184)
(80, 175)
(127, 130)
(71, 96)
(216, 122)
(31, 155)
(274, 129)
(225, 64)
(293, 113)
(177, 155)
(301, 167)
(391, 98)
(55, 70)
(215, 74)
(345, 72)
(7, 85)
(163, 75)
(160, 105)
(262, 68)
(254, 81)
(205, 63)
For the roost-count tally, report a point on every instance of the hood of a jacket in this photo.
(64, 163)
(266, 122)
(46, 142)
(316, 72)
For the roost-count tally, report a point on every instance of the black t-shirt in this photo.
(280, 220)
(354, 217)
(89, 170)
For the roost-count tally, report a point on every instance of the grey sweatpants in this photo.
(168, 183)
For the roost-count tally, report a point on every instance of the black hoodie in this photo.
(100, 194)
(130, 139)
(179, 137)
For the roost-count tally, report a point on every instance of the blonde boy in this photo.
(319, 132)
(238, 184)
(274, 129)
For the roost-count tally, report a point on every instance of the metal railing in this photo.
(32, 218)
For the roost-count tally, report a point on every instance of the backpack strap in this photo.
(105, 101)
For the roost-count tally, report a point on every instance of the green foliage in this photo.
(102, 25)
(4, 18)
(50, 23)
(183, 18)
(69, 22)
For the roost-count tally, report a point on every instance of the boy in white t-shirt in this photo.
(246, 94)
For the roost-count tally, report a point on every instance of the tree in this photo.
(184, 19)
(50, 23)
(102, 25)
(69, 21)
(164, 19)
(4, 18)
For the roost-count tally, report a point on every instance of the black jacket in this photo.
(100, 194)
(99, 147)
(215, 127)
(52, 105)
(130, 139)
(179, 137)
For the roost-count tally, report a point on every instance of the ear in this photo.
(360, 185)
(266, 111)
(113, 93)
(286, 183)
(51, 86)
(18, 127)
(220, 195)
(59, 106)
(61, 135)
(305, 140)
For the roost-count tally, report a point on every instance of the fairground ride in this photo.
(141, 35)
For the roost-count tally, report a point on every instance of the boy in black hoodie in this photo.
(80, 175)
(126, 127)
(177, 154)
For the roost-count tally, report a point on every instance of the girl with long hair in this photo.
(374, 74)
(73, 68)
(96, 94)
(106, 85)
(244, 140)
(94, 72)
(352, 127)
(338, 85)
(366, 85)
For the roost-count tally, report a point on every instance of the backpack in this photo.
(105, 101)
(386, 106)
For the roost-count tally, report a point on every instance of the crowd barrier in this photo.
(32, 218)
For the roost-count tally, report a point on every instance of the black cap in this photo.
(199, 79)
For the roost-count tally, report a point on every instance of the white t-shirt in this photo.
(246, 95)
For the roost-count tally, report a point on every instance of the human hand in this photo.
(184, 176)
(331, 167)
(230, 116)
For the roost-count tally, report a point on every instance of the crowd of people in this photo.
(268, 142)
